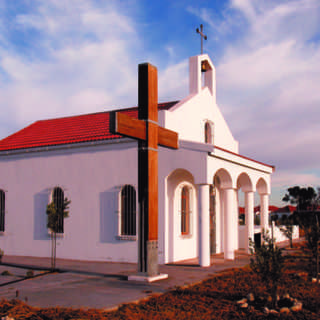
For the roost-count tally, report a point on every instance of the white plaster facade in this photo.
(93, 173)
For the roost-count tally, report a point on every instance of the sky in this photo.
(60, 58)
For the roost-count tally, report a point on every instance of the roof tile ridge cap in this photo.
(174, 102)
(73, 116)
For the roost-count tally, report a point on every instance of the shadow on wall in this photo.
(108, 216)
(40, 201)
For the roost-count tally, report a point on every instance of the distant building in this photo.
(279, 213)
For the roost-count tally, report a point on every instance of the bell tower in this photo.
(202, 73)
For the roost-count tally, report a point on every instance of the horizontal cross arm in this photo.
(120, 123)
(168, 138)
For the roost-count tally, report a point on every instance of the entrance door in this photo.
(212, 220)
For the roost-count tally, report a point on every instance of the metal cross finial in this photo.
(202, 36)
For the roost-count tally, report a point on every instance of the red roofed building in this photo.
(283, 211)
(79, 158)
(68, 130)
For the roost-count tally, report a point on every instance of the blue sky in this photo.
(78, 56)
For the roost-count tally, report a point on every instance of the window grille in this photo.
(58, 200)
(2, 209)
(185, 211)
(128, 211)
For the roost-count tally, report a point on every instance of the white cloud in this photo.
(173, 81)
(267, 83)
(82, 56)
(86, 63)
(284, 178)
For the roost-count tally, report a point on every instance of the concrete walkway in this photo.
(91, 284)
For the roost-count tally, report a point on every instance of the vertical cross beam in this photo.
(202, 36)
(149, 134)
(148, 170)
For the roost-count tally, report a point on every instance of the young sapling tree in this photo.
(267, 262)
(54, 214)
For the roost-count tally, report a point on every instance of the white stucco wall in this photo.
(190, 123)
(278, 234)
(189, 116)
(185, 165)
(91, 178)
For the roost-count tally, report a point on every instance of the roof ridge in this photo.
(68, 129)
(160, 104)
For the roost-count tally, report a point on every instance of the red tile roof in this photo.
(286, 208)
(257, 209)
(273, 208)
(74, 129)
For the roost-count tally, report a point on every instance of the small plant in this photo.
(6, 273)
(54, 213)
(267, 262)
(287, 230)
(29, 274)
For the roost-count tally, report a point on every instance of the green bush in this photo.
(29, 274)
(6, 273)
(267, 262)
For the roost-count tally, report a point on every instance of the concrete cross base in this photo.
(145, 278)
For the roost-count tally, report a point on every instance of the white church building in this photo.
(77, 157)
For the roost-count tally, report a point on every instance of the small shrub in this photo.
(1, 255)
(267, 262)
(287, 230)
(29, 273)
(6, 273)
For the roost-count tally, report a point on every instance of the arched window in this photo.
(208, 133)
(185, 211)
(58, 200)
(2, 209)
(128, 211)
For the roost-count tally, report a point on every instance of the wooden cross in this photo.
(202, 36)
(149, 135)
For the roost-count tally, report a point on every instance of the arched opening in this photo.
(262, 186)
(263, 190)
(2, 210)
(244, 185)
(208, 132)
(185, 210)
(245, 207)
(181, 223)
(218, 223)
(58, 200)
(128, 211)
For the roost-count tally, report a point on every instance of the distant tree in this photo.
(275, 217)
(54, 215)
(307, 216)
(310, 223)
(267, 262)
(303, 198)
